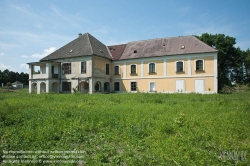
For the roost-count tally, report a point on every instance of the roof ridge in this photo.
(158, 39)
(90, 43)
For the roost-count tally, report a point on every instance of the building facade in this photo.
(166, 65)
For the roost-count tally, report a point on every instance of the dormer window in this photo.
(135, 51)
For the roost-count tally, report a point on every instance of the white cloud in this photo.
(2, 54)
(24, 66)
(3, 66)
(45, 53)
(24, 56)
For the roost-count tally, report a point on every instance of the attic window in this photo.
(163, 45)
(71, 51)
(101, 51)
(112, 49)
(135, 51)
(182, 47)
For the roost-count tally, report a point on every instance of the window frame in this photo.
(183, 66)
(118, 70)
(82, 68)
(154, 67)
(107, 68)
(63, 86)
(203, 65)
(135, 68)
(63, 70)
(135, 87)
(149, 86)
(115, 86)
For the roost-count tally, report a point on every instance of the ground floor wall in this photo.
(167, 85)
(83, 85)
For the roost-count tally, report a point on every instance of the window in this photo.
(107, 69)
(179, 66)
(66, 68)
(133, 86)
(199, 65)
(116, 70)
(152, 86)
(116, 86)
(66, 86)
(83, 67)
(133, 69)
(151, 67)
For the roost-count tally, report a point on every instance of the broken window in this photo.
(66, 86)
(83, 67)
(66, 68)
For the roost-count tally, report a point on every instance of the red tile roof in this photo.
(117, 50)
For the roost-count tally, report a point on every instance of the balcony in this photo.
(54, 75)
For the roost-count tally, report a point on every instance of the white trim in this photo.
(142, 68)
(165, 67)
(189, 67)
(160, 77)
(215, 74)
(118, 70)
(169, 57)
(202, 62)
(124, 70)
(135, 69)
(155, 67)
(149, 86)
(183, 66)
(130, 86)
(119, 86)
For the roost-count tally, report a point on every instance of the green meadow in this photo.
(130, 128)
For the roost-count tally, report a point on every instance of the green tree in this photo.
(230, 59)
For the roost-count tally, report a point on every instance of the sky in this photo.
(32, 29)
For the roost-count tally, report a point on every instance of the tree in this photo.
(230, 59)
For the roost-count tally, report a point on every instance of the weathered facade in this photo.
(167, 65)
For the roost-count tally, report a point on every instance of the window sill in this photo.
(152, 73)
(133, 74)
(116, 74)
(180, 71)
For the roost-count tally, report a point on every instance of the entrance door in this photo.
(199, 86)
(179, 86)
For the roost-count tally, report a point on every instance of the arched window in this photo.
(179, 66)
(97, 86)
(133, 69)
(199, 65)
(151, 67)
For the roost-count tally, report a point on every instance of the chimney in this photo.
(79, 34)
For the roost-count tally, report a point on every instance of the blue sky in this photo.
(31, 29)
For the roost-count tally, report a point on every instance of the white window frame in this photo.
(202, 62)
(135, 69)
(149, 86)
(118, 69)
(149, 68)
(183, 66)
(119, 86)
(130, 86)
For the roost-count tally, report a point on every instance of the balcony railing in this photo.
(54, 75)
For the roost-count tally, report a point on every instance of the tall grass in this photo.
(129, 129)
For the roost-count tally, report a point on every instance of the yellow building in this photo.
(167, 65)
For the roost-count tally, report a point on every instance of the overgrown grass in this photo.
(129, 129)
